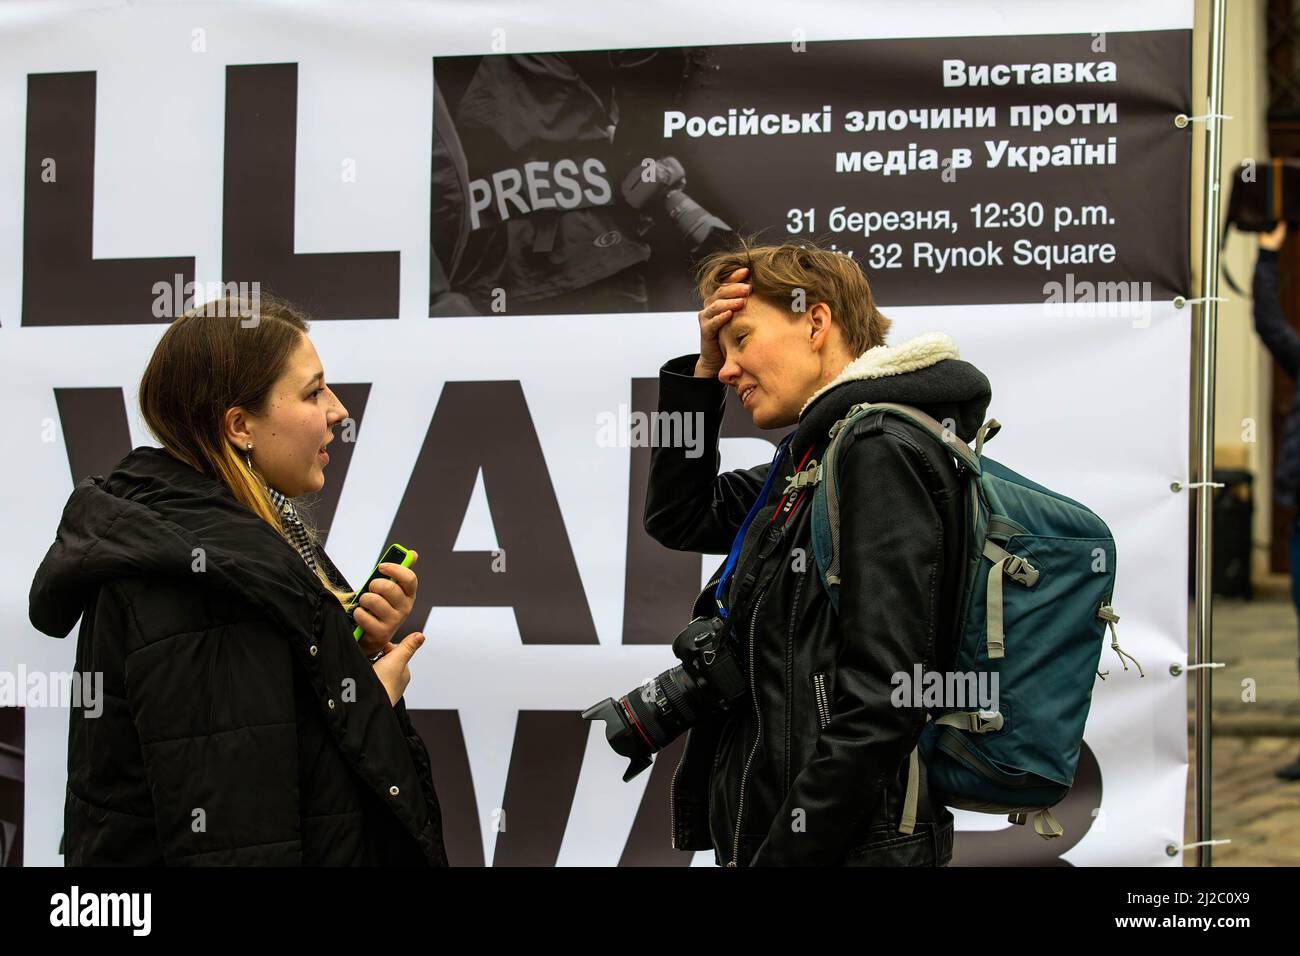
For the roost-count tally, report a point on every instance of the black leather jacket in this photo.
(811, 769)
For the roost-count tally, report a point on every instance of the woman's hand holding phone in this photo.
(385, 605)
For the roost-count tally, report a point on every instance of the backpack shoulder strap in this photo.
(824, 477)
(945, 436)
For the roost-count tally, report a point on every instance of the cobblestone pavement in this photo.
(1261, 814)
(1251, 807)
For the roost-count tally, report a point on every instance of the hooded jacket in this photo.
(241, 724)
(812, 768)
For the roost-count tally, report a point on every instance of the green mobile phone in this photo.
(395, 554)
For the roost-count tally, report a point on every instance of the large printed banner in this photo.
(491, 214)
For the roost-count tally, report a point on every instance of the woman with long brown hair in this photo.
(242, 723)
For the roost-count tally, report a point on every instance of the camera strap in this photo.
(730, 567)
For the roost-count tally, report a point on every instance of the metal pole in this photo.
(1208, 329)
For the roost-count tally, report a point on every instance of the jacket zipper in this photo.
(823, 699)
(672, 795)
(789, 677)
(758, 731)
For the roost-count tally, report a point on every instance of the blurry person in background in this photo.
(1284, 343)
(242, 723)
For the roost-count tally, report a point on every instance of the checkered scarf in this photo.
(294, 527)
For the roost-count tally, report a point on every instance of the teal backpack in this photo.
(1040, 572)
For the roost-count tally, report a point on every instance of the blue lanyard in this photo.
(729, 568)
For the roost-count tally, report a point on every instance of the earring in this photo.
(247, 459)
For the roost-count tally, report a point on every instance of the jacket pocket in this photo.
(822, 698)
(930, 845)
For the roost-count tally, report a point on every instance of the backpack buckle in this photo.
(809, 476)
(973, 721)
(1021, 571)
(851, 413)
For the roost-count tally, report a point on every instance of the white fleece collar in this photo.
(926, 349)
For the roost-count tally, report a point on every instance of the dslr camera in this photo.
(710, 677)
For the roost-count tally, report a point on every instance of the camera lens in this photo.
(646, 720)
(662, 709)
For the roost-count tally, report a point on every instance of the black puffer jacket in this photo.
(242, 724)
(812, 769)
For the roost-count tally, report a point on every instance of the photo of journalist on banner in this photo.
(545, 199)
